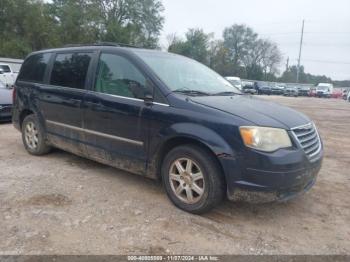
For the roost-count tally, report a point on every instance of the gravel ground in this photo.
(64, 204)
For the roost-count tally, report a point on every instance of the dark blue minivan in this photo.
(166, 117)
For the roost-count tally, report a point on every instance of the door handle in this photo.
(94, 105)
(75, 101)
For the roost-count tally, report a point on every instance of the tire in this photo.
(212, 183)
(34, 136)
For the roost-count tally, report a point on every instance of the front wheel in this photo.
(192, 179)
(34, 137)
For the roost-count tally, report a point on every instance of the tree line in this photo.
(241, 52)
(30, 25)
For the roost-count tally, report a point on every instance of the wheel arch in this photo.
(193, 134)
(23, 114)
(174, 142)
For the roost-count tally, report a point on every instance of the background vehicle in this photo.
(345, 94)
(291, 91)
(348, 98)
(303, 91)
(235, 81)
(263, 88)
(248, 87)
(312, 92)
(337, 94)
(324, 90)
(5, 102)
(7, 76)
(278, 89)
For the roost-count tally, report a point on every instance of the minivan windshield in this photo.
(185, 75)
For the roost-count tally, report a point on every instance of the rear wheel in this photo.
(34, 137)
(192, 179)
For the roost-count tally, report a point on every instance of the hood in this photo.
(255, 110)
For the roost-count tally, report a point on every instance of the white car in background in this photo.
(7, 76)
(324, 90)
(235, 81)
(5, 102)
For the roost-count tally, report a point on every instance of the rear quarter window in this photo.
(34, 67)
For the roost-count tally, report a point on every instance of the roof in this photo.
(95, 46)
(10, 60)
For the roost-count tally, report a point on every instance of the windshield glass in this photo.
(323, 87)
(5, 69)
(235, 82)
(183, 74)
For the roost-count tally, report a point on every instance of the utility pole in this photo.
(287, 65)
(300, 48)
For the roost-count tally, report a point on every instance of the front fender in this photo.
(225, 154)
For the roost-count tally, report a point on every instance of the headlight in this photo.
(265, 138)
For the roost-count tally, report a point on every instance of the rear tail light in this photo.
(14, 95)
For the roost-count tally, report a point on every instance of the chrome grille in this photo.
(308, 138)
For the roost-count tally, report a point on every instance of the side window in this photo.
(34, 67)
(70, 70)
(117, 76)
(5, 69)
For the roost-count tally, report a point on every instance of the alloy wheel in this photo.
(187, 180)
(31, 135)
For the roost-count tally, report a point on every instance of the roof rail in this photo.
(102, 44)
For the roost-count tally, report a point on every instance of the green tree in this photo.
(75, 21)
(29, 25)
(306, 78)
(220, 59)
(137, 22)
(239, 41)
(195, 46)
(25, 26)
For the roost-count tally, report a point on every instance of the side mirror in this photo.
(148, 95)
(148, 98)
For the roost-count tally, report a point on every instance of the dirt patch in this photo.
(56, 200)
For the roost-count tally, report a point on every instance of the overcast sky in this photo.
(326, 47)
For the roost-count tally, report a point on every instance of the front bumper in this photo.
(272, 177)
(5, 112)
(321, 94)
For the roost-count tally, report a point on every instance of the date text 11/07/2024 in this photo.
(173, 258)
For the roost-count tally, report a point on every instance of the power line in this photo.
(324, 61)
(306, 33)
(327, 62)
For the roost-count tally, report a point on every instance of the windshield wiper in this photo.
(191, 92)
(226, 93)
